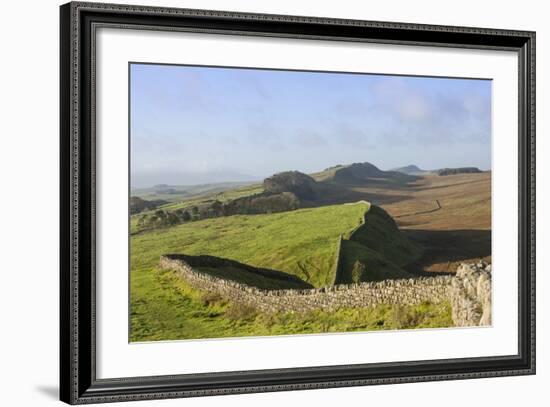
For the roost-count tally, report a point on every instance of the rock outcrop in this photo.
(470, 295)
(454, 171)
(301, 185)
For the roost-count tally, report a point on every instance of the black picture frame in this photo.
(78, 382)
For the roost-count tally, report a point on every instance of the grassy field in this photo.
(442, 221)
(179, 193)
(201, 199)
(164, 307)
(301, 242)
(449, 216)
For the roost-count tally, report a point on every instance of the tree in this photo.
(186, 217)
(358, 272)
(195, 212)
(217, 208)
(142, 220)
(304, 271)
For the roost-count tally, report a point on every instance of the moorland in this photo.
(343, 225)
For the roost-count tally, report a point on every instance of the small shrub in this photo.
(358, 272)
(240, 312)
(210, 298)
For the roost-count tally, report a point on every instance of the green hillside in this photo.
(381, 234)
(178, 193)
(374, 266)
(301, 242)
(375, 250)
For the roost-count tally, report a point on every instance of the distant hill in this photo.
(291, 190)
(281, 192)
(462, 170)
(358, 171)
(300, 184)
(176, 193)
(410, 170)
(361, 173)
(138, 204)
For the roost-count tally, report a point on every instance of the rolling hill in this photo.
(361, 173)
(302, 243)
(138, 204)
(460, 170)
(411, 170)
(415, 225)
(449, 215)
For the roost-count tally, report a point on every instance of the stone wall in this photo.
(401, 292)
(470, 295)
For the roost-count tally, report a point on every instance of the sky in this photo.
(194, 125)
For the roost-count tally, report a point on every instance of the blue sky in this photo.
(193, 125)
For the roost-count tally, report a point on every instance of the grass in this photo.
(189, 192)
(168, 309)
(185, 202)
(301, 242)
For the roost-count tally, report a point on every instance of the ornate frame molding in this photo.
(77, 247)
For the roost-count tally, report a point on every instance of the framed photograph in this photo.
(254, 203)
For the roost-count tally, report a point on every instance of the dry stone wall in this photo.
(401, 292)
(470, 295)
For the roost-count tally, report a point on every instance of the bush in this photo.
(240, 311)
(161, 218)
(358, 272)
(210, 298)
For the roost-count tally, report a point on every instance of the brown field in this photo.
(449, 215)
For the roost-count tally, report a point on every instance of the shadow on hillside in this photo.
(331, 194)
(242, 273)
(445, 249)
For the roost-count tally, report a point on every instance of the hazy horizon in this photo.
(199, 125)
(246, 178)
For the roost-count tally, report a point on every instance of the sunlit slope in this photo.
(301, 242)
